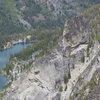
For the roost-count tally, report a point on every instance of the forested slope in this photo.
(38, 13)
(9, 22)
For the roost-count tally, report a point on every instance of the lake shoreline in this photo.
(16, 44)
(5, 56)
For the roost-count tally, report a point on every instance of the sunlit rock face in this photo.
(76, 31)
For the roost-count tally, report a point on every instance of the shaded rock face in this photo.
(46, 77)
(67, 51)
(76, 31)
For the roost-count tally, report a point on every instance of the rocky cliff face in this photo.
(65, 70)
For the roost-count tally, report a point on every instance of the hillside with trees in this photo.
(40, 14)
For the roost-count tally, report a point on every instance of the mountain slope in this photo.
(52, 13)
(89, 81)
(67, 71)
(18, 15)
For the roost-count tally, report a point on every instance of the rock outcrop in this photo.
(76, 32)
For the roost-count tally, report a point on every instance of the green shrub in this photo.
(73, 66)
(61, 89)
(3, 92)
(98, 37)
(65, 79)
(92, 83)
(93, 35)
(66, 88)
(83, 58)
(90, 43)
(69, 76)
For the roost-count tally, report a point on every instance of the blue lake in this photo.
(4, 58)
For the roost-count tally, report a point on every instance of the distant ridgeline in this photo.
(16, 14)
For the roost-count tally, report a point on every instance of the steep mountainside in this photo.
(51, 13)
(70, 71)
(18, 15)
